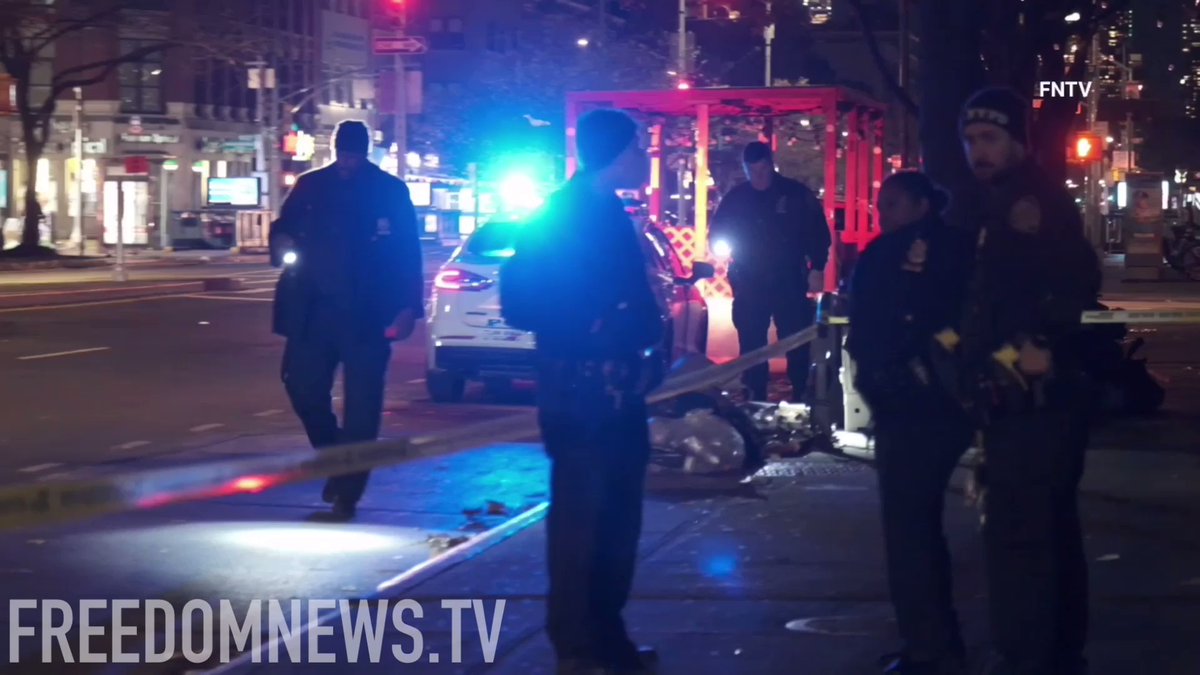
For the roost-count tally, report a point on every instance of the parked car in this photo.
(469, 341)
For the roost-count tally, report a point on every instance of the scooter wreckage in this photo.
(719, 431)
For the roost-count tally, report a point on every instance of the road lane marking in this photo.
(66, 353)
(131, 445)
(39, 467)
(95, 303)
(225, 297)
(205, 427)
(267, 413)
(82, 291)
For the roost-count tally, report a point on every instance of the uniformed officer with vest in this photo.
(907, 287)
(1035, 274)
(775, 231)
(347, 239)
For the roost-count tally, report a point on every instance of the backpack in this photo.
(522, 286)
(537, 287)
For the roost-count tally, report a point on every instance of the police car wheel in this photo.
(445, 386)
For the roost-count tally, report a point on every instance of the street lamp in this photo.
(1072, 17)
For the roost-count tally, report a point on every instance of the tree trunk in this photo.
(31, 231)
(949, 72)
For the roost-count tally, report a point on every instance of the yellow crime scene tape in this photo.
(56, 502)
(1123, 316)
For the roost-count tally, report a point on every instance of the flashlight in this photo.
(721, 249)
(289, 258)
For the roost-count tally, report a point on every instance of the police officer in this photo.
(775, 230)
(579, 280)
(352, 283)
(1035, 274)
(907, 287)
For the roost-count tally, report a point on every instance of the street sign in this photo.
(400, 44)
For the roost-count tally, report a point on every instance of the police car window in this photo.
(493, 240)
(670, 258)
(655, 253)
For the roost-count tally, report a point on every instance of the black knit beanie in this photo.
(602, 135)
(352, 136)
(999, 106)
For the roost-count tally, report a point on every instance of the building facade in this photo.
(160, 127)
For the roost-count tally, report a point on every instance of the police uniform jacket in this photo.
(777, 236)
(358, 251)
(1036, 271)
(908, 285)
(593, 278)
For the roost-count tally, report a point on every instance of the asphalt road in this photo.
(125, 385)
(144, 383)
(176, 377)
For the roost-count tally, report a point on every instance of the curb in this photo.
(77, 296)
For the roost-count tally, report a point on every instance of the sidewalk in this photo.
(786, 576)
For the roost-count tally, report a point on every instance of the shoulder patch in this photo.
(1025, 216)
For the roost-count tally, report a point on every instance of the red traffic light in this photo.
(1085, 147)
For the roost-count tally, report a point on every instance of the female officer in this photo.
(907, 287)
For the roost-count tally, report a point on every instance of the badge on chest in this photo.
(918, 252)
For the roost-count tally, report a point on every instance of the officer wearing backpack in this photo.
(578, 280)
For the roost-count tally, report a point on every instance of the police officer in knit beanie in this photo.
(991, 154)
(1036, 273)
(1002, 107)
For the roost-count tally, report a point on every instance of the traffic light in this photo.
(392, 13)
(1085, 148)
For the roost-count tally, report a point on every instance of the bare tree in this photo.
(515, 101)
(29, 31)
(965, 46)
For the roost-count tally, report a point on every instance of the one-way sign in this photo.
(400, 44)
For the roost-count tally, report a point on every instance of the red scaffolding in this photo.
(854, 116)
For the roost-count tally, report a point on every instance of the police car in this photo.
(469, 341)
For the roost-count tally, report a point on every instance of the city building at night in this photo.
(169, 123)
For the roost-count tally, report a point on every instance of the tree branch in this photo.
(62, 81)
(881, 63)
(66, 27)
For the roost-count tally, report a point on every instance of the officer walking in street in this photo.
(352, 283)
(907, 287)
(775, 230)
(1035, 274)
(579, 280)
